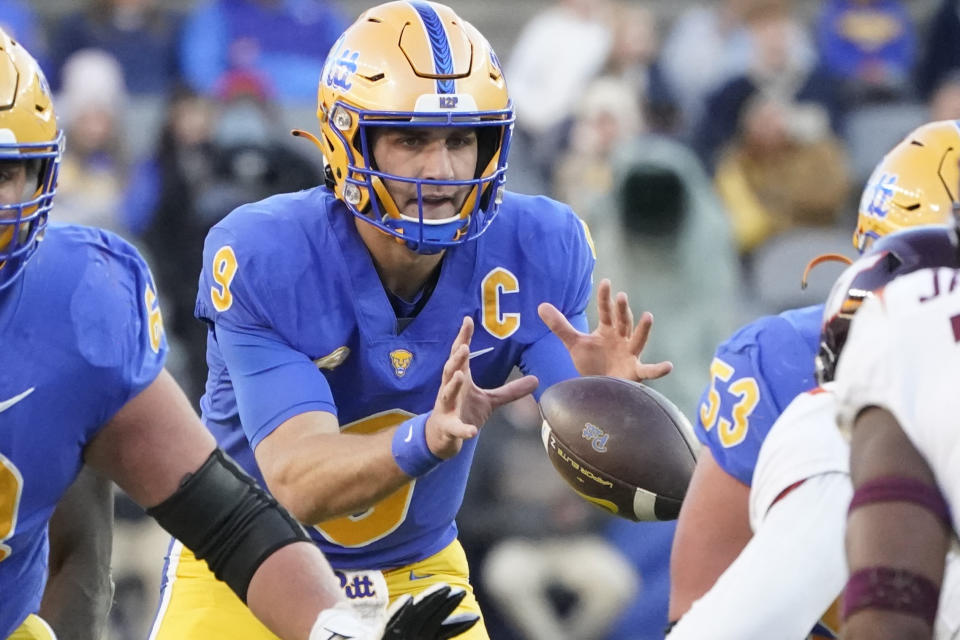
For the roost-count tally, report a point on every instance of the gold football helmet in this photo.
(413, 64)
(28, 132)
(915, 183)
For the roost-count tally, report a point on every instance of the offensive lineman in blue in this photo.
(332, 312)
(82, 381)
(763, 366)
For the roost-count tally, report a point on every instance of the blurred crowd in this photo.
(710, 151)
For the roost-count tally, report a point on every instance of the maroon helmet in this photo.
(892, 256)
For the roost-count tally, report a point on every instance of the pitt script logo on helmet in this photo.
(28, 131)
(915, 183)
(413, 64)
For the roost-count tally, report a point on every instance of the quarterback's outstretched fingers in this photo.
(641, 333)
(513, 390)
(624, 315)
(604, 303)
(456, 362)
(452, 392)
(558, 324)
(653, 371)
(463, 335)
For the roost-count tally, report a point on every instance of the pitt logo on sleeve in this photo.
(400, 359)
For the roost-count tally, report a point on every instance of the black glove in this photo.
(428, 616)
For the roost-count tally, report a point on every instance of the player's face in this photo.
(433, 153)
(13, 182)
(14, 178)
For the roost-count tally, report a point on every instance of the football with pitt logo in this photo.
(619, 444)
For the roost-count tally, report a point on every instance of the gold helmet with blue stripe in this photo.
(916, 183)
(413, 64)
(28, 132)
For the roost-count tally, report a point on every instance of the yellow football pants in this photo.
(33, 628)
(194, 605)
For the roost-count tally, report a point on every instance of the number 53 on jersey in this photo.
(724, 389)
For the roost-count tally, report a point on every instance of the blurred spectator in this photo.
(95, 166)
(778, 69)
(608, 114)
(558, 52)
(20, 22)
(870, 46)
(941, 53)
(556, 55)
(706, 45)
(710, 44)
(634, 60)
(945, 101)
(783, 170)
(663, 237)
(211, 157)
(884, 114)
(141, 34)
(161, 198)
(254, 157)
(284, 42)
(534, 543)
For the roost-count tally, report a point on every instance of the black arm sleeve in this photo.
(221, 514)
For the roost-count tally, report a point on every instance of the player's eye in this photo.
(459, 141)
(410, 142)
(8, 177)
(10, 170)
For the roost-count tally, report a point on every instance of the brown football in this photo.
(619, 444)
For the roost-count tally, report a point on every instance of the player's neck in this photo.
(401, 271)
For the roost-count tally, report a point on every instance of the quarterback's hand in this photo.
(613, 349)
(462, 407)
(428, 615)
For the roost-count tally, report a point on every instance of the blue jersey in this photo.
(300, 322)
(753, 377)
(81, 336)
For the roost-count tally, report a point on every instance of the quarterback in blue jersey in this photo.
(82, 381)
(362, 332)
(765, 365)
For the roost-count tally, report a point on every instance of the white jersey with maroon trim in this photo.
(804, 442)
(903, 355)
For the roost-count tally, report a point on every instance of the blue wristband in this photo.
(409, 448)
